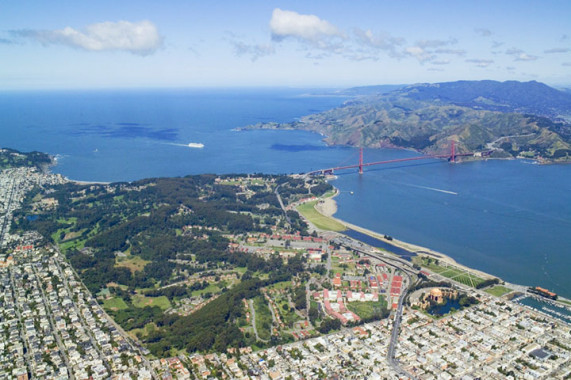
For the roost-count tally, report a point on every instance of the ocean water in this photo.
(508, 218)
(128, 135)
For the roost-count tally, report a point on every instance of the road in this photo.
(55, 331)
(8, 213)
(119, 328)
(253, 312)
(282, 204)
(23, 334)
(395, 335)
(86, 327)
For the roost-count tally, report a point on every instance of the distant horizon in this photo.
(556, 86)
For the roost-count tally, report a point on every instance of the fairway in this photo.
(322, 222)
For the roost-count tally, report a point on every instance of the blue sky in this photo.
(111, 44)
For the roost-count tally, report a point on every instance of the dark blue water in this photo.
(128, 135)
(509, 218)
(445, 308)
(374, 242)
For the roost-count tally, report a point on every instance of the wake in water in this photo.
(435, 189)
(189, 145)
(426, 188)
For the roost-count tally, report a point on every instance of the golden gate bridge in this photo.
(451, 156)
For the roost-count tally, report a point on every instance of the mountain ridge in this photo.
(513, 119)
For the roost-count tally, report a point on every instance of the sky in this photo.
(331, 44)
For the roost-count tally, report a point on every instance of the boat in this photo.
(195, 145)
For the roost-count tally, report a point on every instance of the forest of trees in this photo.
(147, 219)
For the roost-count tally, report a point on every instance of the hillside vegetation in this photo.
(510, 118)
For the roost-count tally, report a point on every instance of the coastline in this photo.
(329, 207)
(87, 182)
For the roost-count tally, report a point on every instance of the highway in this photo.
(395, 336)
(407, 269)
(282, 204)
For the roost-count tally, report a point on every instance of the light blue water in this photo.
(509, 218)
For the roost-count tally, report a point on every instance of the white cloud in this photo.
(440, 62)
(566, 64)
(458, 52)
(140, 38)
(526, 57)
(436, 43)
(557, 50)
(514, 51)
(419, 53)
(480, 62)
(428, 50)
(255, 51)
(520, 55)
(308, 28)
(378, 41)
(483, 32)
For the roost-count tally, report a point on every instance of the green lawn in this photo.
(142, 301)
(133, 263)
(211, 288)
(263, 318)
(115, 303)
(288, 317)
(320, 221)
(498, 290)
(456, 274)
(367, 309)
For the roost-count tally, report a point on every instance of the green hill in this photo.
(483, 115)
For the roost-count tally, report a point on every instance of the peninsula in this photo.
(511, 119)
(220, 274)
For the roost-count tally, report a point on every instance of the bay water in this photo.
(508, 218)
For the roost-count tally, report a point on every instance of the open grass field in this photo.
(211, 288)
(263, 318)
(456, 274)
(143, 332)
(366, 309)
(142, 301)
(133, 263)
(498, 290)
(115, 303)
(322, 222)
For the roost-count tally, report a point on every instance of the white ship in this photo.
(195, 145)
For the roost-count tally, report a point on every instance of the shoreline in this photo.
(329, 207)
(87, 182)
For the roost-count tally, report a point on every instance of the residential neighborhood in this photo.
(53, 327)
